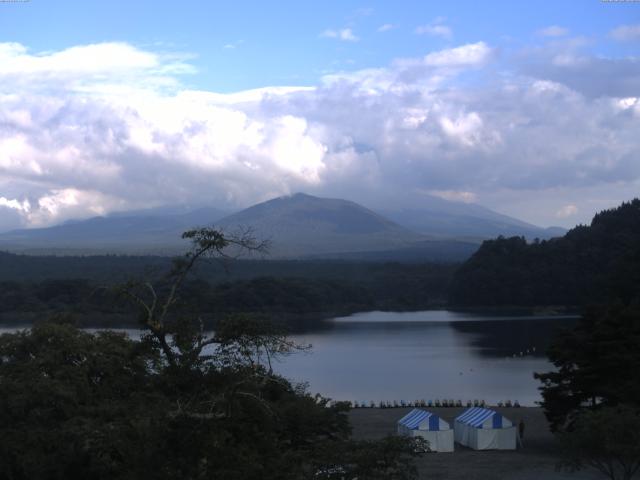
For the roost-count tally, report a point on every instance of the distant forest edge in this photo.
(589, 264)
(299, 293)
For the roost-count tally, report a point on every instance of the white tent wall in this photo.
(420, 423)
(493, 439)
(461, 433)
(445, 440)
(439, 441)
(483, 434)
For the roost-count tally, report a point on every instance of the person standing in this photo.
(521, 433)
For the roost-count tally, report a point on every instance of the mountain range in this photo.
(296, 226)
(437, 217)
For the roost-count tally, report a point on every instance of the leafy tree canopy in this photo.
(597, 364)
(607, 439)
(178, 403)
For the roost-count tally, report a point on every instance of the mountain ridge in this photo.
(298, 225)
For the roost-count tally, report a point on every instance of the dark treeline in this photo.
(590, 264)
(296, 292)
(118, 268)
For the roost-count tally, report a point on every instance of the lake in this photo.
(426, 355)
(387, 356)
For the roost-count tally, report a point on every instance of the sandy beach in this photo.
(536, 461)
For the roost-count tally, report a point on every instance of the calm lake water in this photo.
(424, 355)
(427, 355)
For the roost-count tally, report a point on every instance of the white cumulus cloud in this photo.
(15, 204)
(83, 140)
(567, 211)
(465, 55)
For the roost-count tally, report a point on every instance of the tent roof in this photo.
(476, 416)
(412, 419)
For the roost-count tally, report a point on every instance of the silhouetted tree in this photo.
(607, 439)
(597, 364)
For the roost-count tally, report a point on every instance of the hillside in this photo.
(302, 225)
(298, 226)
(441, 218)
(589, 264)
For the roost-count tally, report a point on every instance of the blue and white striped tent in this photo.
(484, 429)
(428, 425)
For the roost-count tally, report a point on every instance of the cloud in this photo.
(567, 211)
(553, 31)
(15, 204)
(82, 140)
(95, 67)
(386, 27)
(455, 196)
(569, 62)
(626, 33)
(466, 55)
(435, 30)
(345, 34)
(87, 60)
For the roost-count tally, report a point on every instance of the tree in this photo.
(595, 263)
(176, 404)
(607, 439)
(388, 459)
(155, 309)
(597, 364)
(72, 404)
(592, 400)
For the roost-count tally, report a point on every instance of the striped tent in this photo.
(484, 429)
(428, 425)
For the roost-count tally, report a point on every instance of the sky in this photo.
(529, 108)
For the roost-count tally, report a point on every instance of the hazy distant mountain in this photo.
(442, 218)
(154, 231)
(297, 226)
(302, 225)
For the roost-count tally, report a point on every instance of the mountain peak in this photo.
(297, 225)
(299, 195)
(301, 224)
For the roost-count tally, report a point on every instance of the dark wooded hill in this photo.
(595, 263)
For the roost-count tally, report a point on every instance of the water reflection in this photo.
(423, 355)
(426, 355)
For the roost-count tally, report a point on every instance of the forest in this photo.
(590, 264)
(299, 292)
